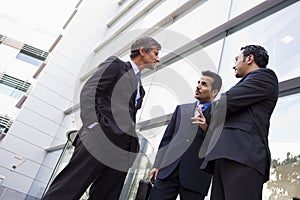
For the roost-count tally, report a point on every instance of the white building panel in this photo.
(18, 164)
(15, 181)
(31, 134)
(60, 88)
(69, 64)
(50, 96)
(60, 74)
(38, 122)
(43, 108)
(23, 148)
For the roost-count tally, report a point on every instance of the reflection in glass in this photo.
(175, 83)
(284, 141)
(149, 141)
(29, 59)
(10, 91)
(279, 34)
(240, 6)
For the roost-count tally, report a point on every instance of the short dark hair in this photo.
(217, 83)
(146, 42)
(261, 57)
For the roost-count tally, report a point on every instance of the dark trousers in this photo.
(169, 188)
(82, 171)
(235, 181)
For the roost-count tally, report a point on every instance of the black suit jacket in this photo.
(180, 145)
(240, 122)
(107, 103)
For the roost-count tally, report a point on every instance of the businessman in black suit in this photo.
(107, 144)
(176, 169)
(236, 146)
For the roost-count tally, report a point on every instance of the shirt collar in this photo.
(197, 103)
(205, 105)
(134, 67)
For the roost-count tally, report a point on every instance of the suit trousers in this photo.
(82, 171)
(170, 187)
(235, 181)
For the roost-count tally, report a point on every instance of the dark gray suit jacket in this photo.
(107, 103)
(240, 122)
(180, 145)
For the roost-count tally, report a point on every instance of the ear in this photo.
(250, 59)
(214, 93)
(142, 51)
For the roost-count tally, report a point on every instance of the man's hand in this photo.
(200, 120)
(152, 175)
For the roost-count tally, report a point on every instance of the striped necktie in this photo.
(138, 77)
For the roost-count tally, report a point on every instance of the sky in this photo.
(35, 22)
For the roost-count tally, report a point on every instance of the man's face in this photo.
(241, 66)
(150, 58)
(204, 89)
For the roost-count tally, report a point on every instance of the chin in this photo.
(151, 67)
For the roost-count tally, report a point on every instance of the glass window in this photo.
(12, 86)
(10, 91)
(167, 88)
(284, 141)
(29, 59)
(278, 33)
(176, 83)
(3, 129)
(196, 22)
(240, 6)
(149, 141)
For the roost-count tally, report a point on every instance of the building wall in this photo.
(41, 124)
(14, 150)
(202, 34)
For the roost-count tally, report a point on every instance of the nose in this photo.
(234, 67)
(199, 86)
(157, 59)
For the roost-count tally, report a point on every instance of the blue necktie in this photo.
(138, 77)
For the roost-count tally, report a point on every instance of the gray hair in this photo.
(145, 42)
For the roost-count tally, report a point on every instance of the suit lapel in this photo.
(188, 111)
(187, 114)
(133, 79)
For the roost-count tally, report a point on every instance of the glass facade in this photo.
(284, 145)
(279, 33)
(277, 29)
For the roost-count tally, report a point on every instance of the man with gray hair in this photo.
(107, 144)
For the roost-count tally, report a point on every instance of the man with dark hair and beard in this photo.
(236, 146)
(176, 169)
